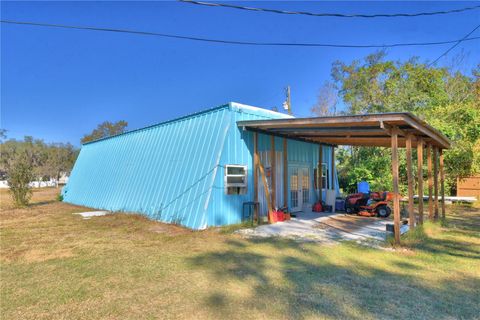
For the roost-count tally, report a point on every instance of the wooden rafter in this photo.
(360, 130)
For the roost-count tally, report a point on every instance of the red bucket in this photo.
(317, 207)
(277, 216)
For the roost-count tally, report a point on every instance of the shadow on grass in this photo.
(302, 281)
(418, 239)
(468, 223)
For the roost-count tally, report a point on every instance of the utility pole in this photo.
(287, 104)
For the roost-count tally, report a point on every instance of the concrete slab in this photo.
(90, 214)
(324, 227)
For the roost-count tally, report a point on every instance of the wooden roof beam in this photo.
(377, 132)
(277, 134)
(380, 142)
(389, 129)
(406, 122)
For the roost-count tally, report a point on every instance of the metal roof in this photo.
(356, 130)
(258, 111)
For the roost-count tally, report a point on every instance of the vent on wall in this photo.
(235, 179)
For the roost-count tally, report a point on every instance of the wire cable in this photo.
(453, 47)
(235, 42)
(337, 15)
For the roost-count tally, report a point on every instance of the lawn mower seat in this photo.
(378, 196)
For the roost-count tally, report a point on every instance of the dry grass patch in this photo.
(55, 265)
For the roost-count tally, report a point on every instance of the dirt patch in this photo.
(349, 223)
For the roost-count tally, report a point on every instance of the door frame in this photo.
(300, 176)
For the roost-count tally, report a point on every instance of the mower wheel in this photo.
(383, 211)
(348, 210)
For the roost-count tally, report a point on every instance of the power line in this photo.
(235, 42)
(337, 15)
(456, 44)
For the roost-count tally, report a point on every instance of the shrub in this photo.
(19, 176)
(59, 197)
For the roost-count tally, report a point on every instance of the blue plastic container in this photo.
(363, 187)
(339, 205)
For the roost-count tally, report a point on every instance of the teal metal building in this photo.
(197, 171)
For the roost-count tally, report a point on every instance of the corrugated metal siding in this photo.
(165, 171)
(227, 209)
(174, 172)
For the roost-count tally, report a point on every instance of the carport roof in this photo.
(355, 130)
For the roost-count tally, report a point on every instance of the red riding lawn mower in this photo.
(369, 204)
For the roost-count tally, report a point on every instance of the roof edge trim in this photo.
(240, 106)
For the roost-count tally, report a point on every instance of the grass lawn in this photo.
(55, 265)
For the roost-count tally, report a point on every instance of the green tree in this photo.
(60, 158)
(448, 100)
(44, 161)
(104, 130)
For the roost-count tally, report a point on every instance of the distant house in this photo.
(63, 178)
(469, 187)
(33, 184)
(41, 184)
(198, 170)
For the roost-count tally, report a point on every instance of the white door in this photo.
(299, 188)
(305, 182)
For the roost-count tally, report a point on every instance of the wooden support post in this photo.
(265, 186)
(285, 173)
(435, 182)
(411, 213)
(396, 200)
(420, 178)
(273, 172)
(430, 181)
(332, 182)
(320, 173)
(442, 183)
(255, 173)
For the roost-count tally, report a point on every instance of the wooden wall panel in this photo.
(469, 187)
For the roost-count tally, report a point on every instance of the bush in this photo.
(19, 176)
(59, 197)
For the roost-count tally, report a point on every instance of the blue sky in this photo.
(59, 84)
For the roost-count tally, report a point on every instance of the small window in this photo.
(235, 179)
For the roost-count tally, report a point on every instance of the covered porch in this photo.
(392, 130)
